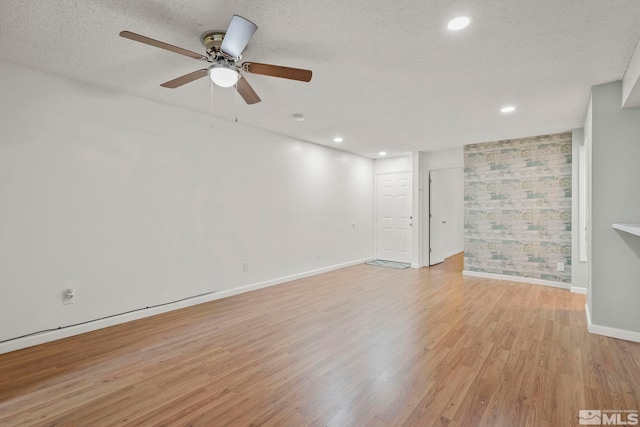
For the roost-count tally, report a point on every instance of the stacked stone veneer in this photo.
(517, 209)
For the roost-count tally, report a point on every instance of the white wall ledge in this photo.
(628, 228)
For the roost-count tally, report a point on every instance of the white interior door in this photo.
(437, 220)
(393, 217)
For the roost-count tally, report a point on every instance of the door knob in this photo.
(444, 222)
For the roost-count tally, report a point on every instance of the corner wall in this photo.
(615, 255)
(134, 204)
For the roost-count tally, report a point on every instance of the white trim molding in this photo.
(607, 331)
(578, 290)
(116, 319)
(516, 279)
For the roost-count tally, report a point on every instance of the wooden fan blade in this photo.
(187, 78)
(277, 71)
(162, 45)
(238, 34)
(246, 91)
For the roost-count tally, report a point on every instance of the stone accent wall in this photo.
(517, 209)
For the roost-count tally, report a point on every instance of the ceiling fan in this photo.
(223, 51)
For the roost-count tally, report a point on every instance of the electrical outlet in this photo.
(68, 296)
(245, 266)
(317, 254)
(561, 266)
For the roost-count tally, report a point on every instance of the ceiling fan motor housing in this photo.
(212, 40)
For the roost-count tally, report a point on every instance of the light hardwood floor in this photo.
(361, 346)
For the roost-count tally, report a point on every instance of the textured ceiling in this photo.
(387, 75)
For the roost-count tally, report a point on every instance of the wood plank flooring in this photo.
(361, 346)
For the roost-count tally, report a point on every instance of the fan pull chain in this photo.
(211, 99)
(235, 100)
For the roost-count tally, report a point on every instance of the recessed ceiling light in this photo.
(338, 139)
(508, 109)
(298, 117)
(382, 153)
(458, 23)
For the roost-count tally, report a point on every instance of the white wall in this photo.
(615, 255)
(134, 203)
(444, 159)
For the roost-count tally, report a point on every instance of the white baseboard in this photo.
(516, 279)
(607, 331)
(116, 319)
(417, 265)
(578, 290)
(588, 314)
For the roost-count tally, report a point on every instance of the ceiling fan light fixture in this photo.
(223, 75)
